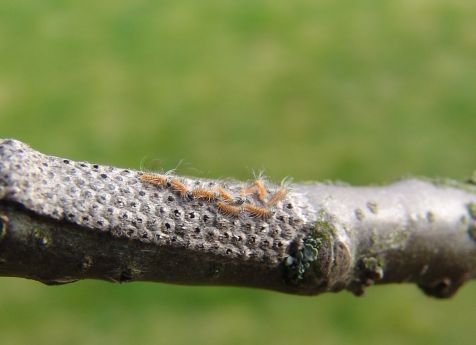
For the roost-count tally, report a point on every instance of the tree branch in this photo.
(61, 221)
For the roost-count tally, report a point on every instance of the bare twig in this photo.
(61, 221)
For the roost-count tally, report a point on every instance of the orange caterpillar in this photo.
(228, 209)
(260, 189)
(247, 190)
(204, 194)
(157, 180)
(277, 197)
(224, 194)
(257, 187)
(179, 187)
(257, 212)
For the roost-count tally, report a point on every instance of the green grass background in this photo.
(361, 91)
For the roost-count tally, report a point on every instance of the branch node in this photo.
(444, 288)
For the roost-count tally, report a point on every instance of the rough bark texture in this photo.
(61, 221)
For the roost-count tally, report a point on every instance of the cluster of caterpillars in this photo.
(222, 199)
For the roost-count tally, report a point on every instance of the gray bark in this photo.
(61, 221)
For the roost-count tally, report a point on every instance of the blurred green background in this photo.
(361, 91)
